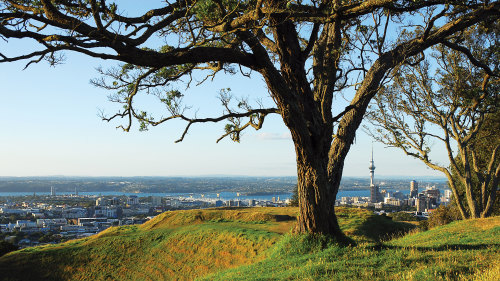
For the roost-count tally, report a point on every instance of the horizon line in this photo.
(211, 175)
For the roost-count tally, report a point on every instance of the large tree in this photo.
(482, 183)
(309, 53)
(456, 105)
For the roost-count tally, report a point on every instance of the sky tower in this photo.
(372, 170)
(374, 193)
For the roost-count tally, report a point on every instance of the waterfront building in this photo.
(251, 202)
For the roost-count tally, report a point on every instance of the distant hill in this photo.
(271, 185)
(255, 244)
(205, 184)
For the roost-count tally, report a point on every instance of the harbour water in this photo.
(211, 195)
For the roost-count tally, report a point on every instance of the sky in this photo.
(49, 126)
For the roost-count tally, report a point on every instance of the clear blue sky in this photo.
(49, 126)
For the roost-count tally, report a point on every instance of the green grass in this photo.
(175, 245)
(466, 250)
(256, 244)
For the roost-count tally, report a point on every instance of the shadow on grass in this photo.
(284, 218)
(449, 247)
(379, 228)
(23, 266)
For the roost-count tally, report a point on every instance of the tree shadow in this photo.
(24, 266)
(447, 247)
(280, 218)
(379, 228)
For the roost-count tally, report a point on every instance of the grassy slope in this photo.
(248, 244)
(175, 245)
(466, 250)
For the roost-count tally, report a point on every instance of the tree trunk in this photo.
(491, 197)
(316, 196)
(467, 182)
(453, 188)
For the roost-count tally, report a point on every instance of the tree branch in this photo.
(260, 112)
(470, 56)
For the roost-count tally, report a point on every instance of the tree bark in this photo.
(467, 182)
(316, 197)
(491, 196)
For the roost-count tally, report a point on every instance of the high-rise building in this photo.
(413, 189)
(52, 191)
(432, 192)
(374, 193)
(156, 201)
(133, 200)
(421, 204)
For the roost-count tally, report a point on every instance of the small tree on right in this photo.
(457, 106)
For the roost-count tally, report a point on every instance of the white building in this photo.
(107, 212)
(392, 201)
(48, 222)
(25, 224)
(133, 200)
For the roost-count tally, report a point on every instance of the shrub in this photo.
(403, 216)
(6, 247)
(443, 215)
(423, 225)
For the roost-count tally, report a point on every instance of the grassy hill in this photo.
(255, 244)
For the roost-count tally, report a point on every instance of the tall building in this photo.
(52, 191)
(156, 200)
(421, 204)
(372, 170)
(413, 189)
(133, 200)
(432, 192)
(374, 193)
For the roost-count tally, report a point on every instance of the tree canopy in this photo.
(456, 105)
(309, 53)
